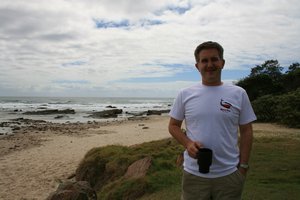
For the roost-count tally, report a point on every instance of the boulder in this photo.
(110, 106)
(113, 113)
(50, 112)
(71, 190)
(137, 113)
(157, 112)
(139, 168)
(59, 117)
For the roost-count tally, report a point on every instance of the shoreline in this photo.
(34, 160)
(10, 122)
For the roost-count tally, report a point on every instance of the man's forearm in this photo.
(175, 130)
(246, 140)
(179, 135)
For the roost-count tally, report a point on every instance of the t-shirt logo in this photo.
(225, 106)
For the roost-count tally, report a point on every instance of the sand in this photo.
(32, 163)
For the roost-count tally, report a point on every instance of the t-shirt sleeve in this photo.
(247, 114)
(177, 110)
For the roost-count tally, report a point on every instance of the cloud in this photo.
(74, 63)
(71, 81)
(135, 47)
(126, 24)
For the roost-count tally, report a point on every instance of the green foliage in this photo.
(267, 79)
(288, 109)
(123, 189)
(105, 167)
(274, 96)
(284, 109)
(293, 67)
(271, 68)
(102, 164)
(265, 108)
(291, 80)
(259, 85)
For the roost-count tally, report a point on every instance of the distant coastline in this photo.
(76, 109)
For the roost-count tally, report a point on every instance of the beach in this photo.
(38, 157)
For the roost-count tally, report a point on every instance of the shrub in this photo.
(283, 109)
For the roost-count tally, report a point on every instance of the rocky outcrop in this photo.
(50, 112)
(139, 168)
(113, 113)
(110, 106)
(70, 190)
(148, 112)
(121, 172)
(157, 112)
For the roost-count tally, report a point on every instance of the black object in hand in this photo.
(204, 160)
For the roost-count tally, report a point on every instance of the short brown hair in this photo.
(209, 45)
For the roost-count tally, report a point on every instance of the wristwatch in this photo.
(244, 166)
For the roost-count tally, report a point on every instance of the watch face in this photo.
(245, 166)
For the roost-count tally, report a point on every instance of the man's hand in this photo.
(243, 171)
(192, 148)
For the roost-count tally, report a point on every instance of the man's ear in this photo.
(223, 63)
(196, 66)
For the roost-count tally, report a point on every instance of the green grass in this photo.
(104, 169)
(274, 170)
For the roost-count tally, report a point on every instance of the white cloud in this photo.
(54, 47)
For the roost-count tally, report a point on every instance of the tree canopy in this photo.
(275, 95)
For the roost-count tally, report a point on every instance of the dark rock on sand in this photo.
(59, 117)
(21, 120)
(137, 113)
(157, 112)
(113, 113)
(50, 112)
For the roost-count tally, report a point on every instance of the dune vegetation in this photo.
(274, 173)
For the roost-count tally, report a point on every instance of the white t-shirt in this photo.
(212, 116)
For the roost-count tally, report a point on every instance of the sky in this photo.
(136, 48)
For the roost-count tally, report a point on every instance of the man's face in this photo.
(210, 66)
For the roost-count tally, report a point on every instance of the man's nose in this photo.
(210, 63)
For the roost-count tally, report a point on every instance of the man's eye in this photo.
(215, 59)
(204, 61)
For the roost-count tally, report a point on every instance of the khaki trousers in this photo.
(228, 187)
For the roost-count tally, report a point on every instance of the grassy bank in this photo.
(275, 166)
(105, 168)
(274, 173)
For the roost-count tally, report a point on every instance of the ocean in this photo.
(14, 107)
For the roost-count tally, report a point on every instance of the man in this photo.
(213, 112)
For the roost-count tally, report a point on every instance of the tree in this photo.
(291, 79)
(275, 96)
(257, 86)
(270, 67)
(293, 67)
